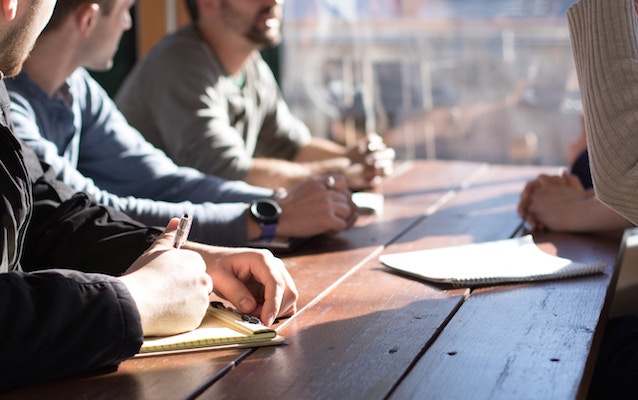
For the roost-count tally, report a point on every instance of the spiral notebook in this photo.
(502, 261)
(222, 327)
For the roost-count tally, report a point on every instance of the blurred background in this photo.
(482, 80)
(479, 80)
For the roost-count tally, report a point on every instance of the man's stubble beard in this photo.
(16, 44)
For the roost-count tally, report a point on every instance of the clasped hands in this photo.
(549, 202)
(371, 159)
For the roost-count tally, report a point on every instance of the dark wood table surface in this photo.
(364, 332)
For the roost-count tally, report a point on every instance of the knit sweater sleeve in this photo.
(605, 45)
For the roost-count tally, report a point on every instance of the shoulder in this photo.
(177, 51)
(259, 66)
(261, 75)
(81, 78)
(22, 87)
(25, 97)
(85, 88)
(179, 63)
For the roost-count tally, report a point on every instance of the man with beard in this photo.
(206, 97)
(67, 118)
(97, 281)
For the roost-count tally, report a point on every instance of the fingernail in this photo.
(245, 305)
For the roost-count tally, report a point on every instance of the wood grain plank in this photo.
(522, 341)
(409, 195)
(362, 329)
(359, 340)
(354, 343)
(169, 377)
(484, 210)
(315, 267)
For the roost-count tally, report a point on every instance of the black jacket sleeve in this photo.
(69, 229)
(60, 322)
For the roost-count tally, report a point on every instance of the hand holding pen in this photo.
(183, 229)
(170, 287)
(255, 282)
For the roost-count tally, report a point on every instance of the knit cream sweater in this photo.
(605, 45)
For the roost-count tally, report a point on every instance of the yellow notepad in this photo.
(221, 327)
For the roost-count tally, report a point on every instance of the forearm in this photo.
(604, 41)
(275, 173)
(599, 217)
(320, 149)
(322, 156)
(319, 157)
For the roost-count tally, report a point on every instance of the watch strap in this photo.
(268, 231)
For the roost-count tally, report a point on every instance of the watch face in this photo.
(266, 211)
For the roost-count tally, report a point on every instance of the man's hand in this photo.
(254, 281)
(314, 208)
(370, 160)
(169, 286)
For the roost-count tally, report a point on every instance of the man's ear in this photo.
(86, 17)
(9, 9)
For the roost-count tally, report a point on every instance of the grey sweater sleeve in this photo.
(605, 46)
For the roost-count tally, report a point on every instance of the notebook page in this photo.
(511, 260)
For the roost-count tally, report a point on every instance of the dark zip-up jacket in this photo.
(62, 311)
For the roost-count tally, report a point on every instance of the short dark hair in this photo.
(65, 7)
(191, 7)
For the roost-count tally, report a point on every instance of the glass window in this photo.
(482, 80)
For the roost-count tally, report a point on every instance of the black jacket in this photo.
(54, 320)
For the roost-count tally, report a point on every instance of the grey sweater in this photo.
(605, 48)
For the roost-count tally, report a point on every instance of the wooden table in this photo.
(363, 332)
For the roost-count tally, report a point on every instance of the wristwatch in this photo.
(267, 213)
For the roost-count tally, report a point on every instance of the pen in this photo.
(182, 230)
